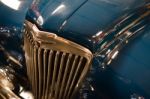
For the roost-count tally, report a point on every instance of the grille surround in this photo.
(50, 60)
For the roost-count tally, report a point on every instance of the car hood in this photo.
(79, 20)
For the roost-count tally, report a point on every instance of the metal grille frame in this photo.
(56, 67)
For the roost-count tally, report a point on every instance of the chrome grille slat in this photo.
(49, 74)
(74, 77)
(65, 76)
(29, 58)
(54, 65)
(35, 71)
(39, 72)
(31, 67)
(71, 75)
(45, 70)
(2, 96)
(54, 74)
(59, 75)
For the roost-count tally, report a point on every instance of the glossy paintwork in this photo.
(12, 17)
(128, 75)
(111, 41)
(134, 62)
(83, 20)
(79, 20)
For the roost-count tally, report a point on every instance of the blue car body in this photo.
(80, 21)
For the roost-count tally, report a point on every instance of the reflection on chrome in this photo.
(97, 34)
(7, 85)
(53, 54)
(26, 95)
(40, 20)
(115, 55)
(113, 39)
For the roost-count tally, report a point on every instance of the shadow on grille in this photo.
(55, 66)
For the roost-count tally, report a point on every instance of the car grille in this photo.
(56, 67)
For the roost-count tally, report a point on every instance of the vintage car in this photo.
(74, 49)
